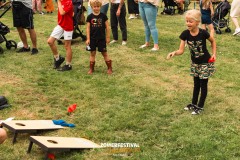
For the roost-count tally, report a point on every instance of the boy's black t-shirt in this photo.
(197, 45)
(97, 26)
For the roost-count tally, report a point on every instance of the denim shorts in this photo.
(206, 19)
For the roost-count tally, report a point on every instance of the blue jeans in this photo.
(104, 9)
(148, 13)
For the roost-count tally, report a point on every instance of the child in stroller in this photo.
(5, 30)
(78, 19)
(219, 20)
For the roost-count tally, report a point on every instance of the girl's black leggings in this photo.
(203, 85)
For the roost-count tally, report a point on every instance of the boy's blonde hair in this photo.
(194, 14)
(95, 3)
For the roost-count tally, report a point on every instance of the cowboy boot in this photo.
(109, 65)
(91, 70)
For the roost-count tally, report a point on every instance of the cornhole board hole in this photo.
(51, 144)
(29, 126)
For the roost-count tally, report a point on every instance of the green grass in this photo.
(142, 102)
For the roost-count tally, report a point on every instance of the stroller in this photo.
(169, 7)
(78, 19)
(219, 20)
(5, 30)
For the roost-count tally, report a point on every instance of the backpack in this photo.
(3, 102)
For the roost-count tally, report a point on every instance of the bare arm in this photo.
(211, 8)
(214, 47)
(119, 7)
(88, 33)
(107, 32)
(179, 51)
(61, 11)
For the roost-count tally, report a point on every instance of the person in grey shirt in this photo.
(23, 19)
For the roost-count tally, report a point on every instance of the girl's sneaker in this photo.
(189, 107)
(197, 110)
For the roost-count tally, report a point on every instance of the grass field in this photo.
(142, 102)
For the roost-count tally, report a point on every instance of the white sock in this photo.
(68, 63)
(56, 57)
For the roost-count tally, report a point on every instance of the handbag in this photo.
(3, 102)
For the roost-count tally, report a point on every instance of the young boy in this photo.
(65, 28)
(98, 35)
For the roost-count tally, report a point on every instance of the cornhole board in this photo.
(51, 144)
(29, 126)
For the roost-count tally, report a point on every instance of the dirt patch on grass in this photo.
(8, 79)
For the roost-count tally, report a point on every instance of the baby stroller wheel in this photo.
(84, 38)
(10, 44)
(218, 31)
(228, 30)
(1, 50)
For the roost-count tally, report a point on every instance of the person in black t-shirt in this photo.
(98, 34)
(202, 66)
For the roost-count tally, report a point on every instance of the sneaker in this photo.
(65, 68)
(189, 107)
(124, 43)
(21, 50)
(58, 63)
(113, 41)
(42, 13)
(34, 51)
(197, 110)
(154, 49)
(237, 31)
(132, 16)
(143, 46)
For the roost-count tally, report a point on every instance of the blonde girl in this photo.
(207, 12)
(201, 68)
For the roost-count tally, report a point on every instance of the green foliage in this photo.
(142, 102)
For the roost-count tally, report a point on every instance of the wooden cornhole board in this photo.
(29, 126)
(51, 144)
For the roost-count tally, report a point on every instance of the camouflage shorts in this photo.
(203, 71)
